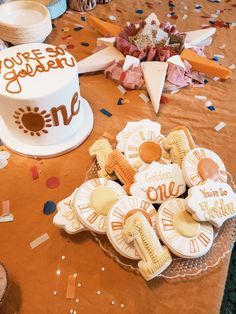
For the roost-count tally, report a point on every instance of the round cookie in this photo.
(132, 127)
(184, 236)
(66, 217)
(117, 216)
(3, 282)
(93, 201)
(144, 147)
(201, 164)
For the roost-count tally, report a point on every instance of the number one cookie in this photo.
(155, 258)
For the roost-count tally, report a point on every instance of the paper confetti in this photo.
(7, 218)
(232, 66)
(85, 44)
(120, 101)
(121, 89)
(144, 98)
(174, 91)
(38, 241)
(52, 182)
(105, 112)
(208, 103)
(222, 46)
(211, 108)
(4, 155)
(185, 16)
(5, 208)
(219, 126)
(199, 97)
(70, 291)
(49, 207)
(112, 18)
(139, 11)
(34, 172)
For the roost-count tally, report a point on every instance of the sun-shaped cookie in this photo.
(32, 120)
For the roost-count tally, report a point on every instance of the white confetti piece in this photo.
(199, 97)
(74, 312)
(218, 12)
(77, 300)
(112, 18)
(71, 311)
(54, 292)
(208, 103)
(7, 218)
(3, 163)
(185, 7)
(4, 155)
(216, 78)
(185, 16)
(219, 56)
(121, 89)
(219, 126)
(144, 98)
(232, 66)
(63, 257)
(58, 272)
(214, 16)
(98, 292)
(174, 91)
(62, 46)
(102, 269)
(79, 285)
(222, 46)
(122, 305)
(38, 241)
(113, 302)
(199, 85)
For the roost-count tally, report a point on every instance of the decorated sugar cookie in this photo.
(66, 217)
(118, 164)
(132, 127)
(179, 142)
(184, 236)
(158, 183)
(101, 149)
(212, 201)
(94, 199)
(155, 258)
(201, 164)
(144, 147)
(117, 216)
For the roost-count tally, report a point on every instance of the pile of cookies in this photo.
(154, 196)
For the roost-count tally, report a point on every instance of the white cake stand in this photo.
(84, 129)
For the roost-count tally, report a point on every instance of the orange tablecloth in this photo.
(33, 272)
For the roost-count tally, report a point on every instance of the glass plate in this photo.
(180, 267)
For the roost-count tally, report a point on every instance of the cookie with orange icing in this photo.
(201, 164)
(144, 147)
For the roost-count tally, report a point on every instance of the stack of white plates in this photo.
(23, 22)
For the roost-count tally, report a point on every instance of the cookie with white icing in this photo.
(117, 216)
(201, 164)
(155, 258)
(179, 142)
(66, 217)
(212, 201)
(144, 147)
(184, 236)
(132, 127)
(158, 183)
(93, 201)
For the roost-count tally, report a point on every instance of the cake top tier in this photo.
(35, 70)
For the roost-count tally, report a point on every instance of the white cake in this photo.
(41, 110)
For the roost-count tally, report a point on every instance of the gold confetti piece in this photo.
(38, 241)
(70, 292)
(5, 208)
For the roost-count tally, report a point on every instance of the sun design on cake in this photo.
(33, 121)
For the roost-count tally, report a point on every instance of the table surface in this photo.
(33, 272)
